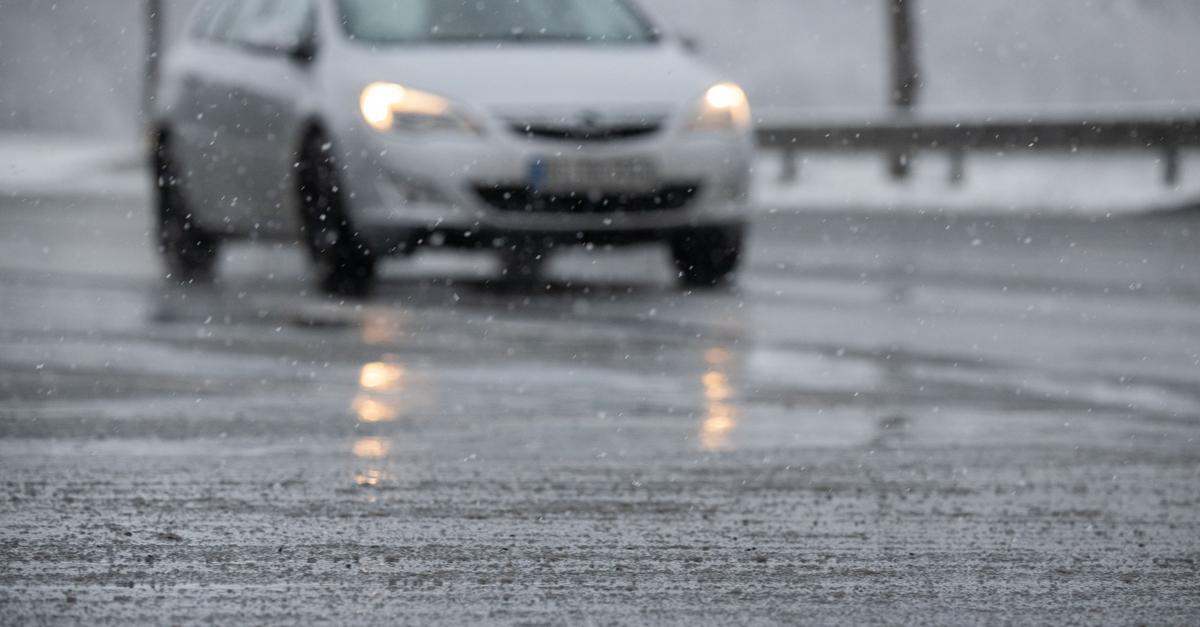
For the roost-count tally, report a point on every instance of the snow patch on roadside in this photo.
(67, 165)
(1082, 184)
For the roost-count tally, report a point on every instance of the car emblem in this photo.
(589, 120)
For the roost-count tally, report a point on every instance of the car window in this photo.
(207, 16)
(398, 21)
(431, 21)
(236, 23)
(259, 21)
(289, 18)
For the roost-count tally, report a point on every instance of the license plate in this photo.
(592, 175)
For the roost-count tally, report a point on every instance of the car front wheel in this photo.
(189, 252)
(343, 263)
(707, 256)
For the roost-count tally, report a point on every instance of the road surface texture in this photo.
(904, 419)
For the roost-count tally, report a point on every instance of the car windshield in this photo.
(434, 21)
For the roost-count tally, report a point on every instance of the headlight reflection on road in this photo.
(372, 448)
(716, 387)
(371, 411)
(381, 397)
(381, 376)
(721, 416)
(379, 328)
(381, 391)
(368, 477)
(718, 423)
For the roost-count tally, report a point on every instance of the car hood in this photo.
(519, 79)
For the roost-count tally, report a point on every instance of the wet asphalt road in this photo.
(894, 420)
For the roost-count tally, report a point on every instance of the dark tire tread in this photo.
(707, 257)
(343, 263)
(189, 252)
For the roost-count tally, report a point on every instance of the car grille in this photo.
(523, 200)
(581, 133)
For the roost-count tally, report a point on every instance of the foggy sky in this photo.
(75, 65)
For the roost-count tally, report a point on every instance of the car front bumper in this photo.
(403, 191)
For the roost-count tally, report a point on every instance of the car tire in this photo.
(189, 252)
(343, 263)
(707, 257)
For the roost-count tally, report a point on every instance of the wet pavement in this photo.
(890, 419)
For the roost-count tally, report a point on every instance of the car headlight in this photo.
(388, 106)
(724, 107)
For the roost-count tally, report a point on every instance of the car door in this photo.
(271, 87)
(197, 127)
(250, 94)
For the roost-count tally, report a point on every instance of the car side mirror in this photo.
(302, 48)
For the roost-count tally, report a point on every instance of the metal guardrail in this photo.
(1165, 134)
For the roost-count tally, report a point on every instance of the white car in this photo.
(373, 127)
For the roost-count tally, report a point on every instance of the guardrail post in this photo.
(1171, 165)
(958, 166)
(154, 28)
(905, 75)
(900, 161)
(790, 171)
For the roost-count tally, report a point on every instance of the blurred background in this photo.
(74, 68)
(86, 56)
